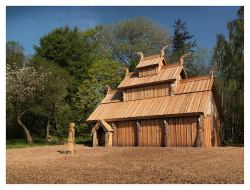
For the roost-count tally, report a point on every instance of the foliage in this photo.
(68, 48)
(22, 84)
(52, 100)
(14, 54)
(92, 90)
(229, 60)
(182, 44)
(182, 40)
(138, 34)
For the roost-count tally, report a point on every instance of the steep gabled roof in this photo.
(167, 73)
(113, 96)
(196, 84)
(150, 61)
(153, 107)
(191, 97)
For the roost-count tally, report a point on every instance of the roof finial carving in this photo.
(126, 69)
(212, 74)
(163, 50)
(140, 54)
(181, 60)
(108, 88)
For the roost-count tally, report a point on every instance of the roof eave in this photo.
(150, 117)
(145, 84)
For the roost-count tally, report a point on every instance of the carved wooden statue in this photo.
(71, 138)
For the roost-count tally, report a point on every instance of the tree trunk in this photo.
(47, 130)
(26, 131)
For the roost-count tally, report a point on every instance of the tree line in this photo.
(68, 74)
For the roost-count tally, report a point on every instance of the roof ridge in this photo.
(203, 77)
(151, 57)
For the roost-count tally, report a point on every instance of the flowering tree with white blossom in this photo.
(22, 84)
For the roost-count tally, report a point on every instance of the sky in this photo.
(28, 24)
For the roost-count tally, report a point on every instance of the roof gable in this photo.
(167, 73)
(152, 60)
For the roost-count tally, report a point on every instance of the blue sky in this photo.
(28, 24)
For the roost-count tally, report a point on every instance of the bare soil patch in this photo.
(125, 165)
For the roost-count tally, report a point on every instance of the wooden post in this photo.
(94, 135)
(114, 134)
(71, 138)
(108, 138)
(138, 134)
(199, 141)
(165, 134)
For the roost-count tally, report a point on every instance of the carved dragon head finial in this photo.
(126, 69)
(140, 54)
(163, 50)
(181, 60)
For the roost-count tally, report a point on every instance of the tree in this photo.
(52, 98)
(183, 43)
(22, 84)
(14, 54)
(229, 61)
(198, 63)
(102, 72)
(126, 38)
(68, 48)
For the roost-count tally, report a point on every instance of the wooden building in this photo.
(158, 105)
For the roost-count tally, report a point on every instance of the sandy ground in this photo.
(125, 165)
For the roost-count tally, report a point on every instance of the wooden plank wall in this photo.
(151, 132)
(147, 92)
(125, 133)
(148, 71)
(181, 132)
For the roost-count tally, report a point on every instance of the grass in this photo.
(22, 143)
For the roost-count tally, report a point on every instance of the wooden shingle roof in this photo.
(150, 61)
(191, 96)
(153, 107)
(167, 73)
(196, 84)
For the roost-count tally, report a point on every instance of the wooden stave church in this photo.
(158, 105)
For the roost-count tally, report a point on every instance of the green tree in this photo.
(52, 99)
(182, 40)
(183, 43)
(69, 48)
(15, 54)
(22, 84)
(229, 61)
(102, 72)
(126, 38)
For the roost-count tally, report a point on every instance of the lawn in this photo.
(22, 143)
(45, 164)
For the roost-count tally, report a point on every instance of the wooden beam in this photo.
(114, 141)
(165, 134)
(138, 134)
(199, 141)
